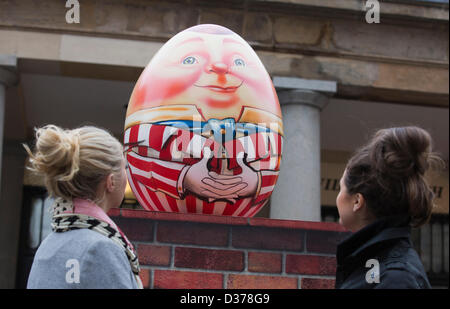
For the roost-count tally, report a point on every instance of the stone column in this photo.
(2, 116)
(11, 190)
(297, 193)
(8, 77)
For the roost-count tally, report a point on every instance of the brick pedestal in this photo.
(201, 251)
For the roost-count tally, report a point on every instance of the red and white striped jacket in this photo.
(159, 156)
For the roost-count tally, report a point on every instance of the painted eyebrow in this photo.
(195, 39)
(232, 41)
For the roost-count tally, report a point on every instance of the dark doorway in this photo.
(34, 227)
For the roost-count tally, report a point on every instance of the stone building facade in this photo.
(338, 78)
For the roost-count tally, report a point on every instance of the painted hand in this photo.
(198, 180)
(248, 177)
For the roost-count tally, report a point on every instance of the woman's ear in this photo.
(110, 184)
(359, 202)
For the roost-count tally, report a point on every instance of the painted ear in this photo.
(359, 202)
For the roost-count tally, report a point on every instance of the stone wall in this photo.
(402, 59)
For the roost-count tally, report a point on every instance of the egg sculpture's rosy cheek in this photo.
(166, 82)
(203, 129)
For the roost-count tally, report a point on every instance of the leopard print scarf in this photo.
(64, 219)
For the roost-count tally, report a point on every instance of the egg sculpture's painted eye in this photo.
(239, 62)
(189, 60)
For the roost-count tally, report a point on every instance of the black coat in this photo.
(388, 242)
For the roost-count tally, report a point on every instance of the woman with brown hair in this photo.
(84, 170)
(383, 193)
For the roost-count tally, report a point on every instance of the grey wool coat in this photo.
(80, 259)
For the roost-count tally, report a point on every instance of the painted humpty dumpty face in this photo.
(208, 66)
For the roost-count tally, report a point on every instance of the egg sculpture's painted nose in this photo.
(219, 68)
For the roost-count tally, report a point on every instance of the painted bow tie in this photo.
(222, 130)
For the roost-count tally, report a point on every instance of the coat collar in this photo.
(383, 229)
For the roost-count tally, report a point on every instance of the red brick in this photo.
(135, 229)
(209, 259)
(260, 282)
(114, 212)
(192, 233)
(154, 255)
(295, 224)
(267, 238)
(173, 279)
(317, 283)
(144, 274)
(137, 213)
(171, 216)
(310, 264)
(323, 242)
(264, 262)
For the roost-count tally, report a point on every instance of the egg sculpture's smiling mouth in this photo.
(221, 89)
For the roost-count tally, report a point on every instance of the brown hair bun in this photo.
(389, 172)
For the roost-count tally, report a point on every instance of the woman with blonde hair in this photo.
(84, 170)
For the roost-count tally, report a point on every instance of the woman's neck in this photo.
(103, 204)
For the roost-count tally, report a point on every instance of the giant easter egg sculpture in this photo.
(203, 129)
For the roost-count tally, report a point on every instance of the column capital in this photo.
(294, 90)
(294, 83)
(303, 97)
(8, 70)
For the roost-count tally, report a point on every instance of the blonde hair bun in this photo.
(57, 153)
(74, 162)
